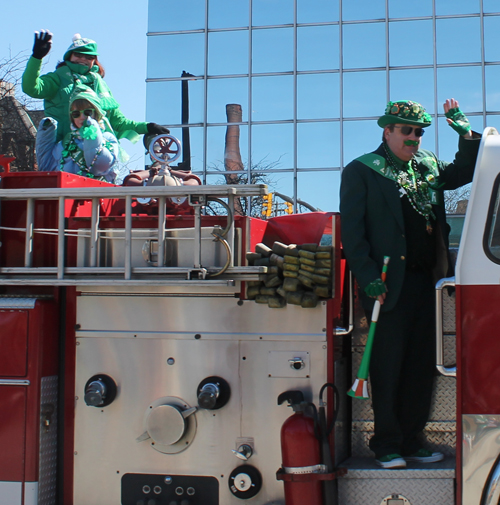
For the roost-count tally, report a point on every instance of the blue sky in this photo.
(118, 26)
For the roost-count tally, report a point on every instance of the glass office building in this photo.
(312, 77)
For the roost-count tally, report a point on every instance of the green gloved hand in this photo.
(459, 123)
(375, 288)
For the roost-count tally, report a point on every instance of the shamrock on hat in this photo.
(405, 112)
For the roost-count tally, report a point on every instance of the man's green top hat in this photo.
(81, 45)
(405, 112)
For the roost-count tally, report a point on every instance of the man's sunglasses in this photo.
(406, 130)
(75, 114)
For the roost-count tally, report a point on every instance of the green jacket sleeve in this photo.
(121, 124)
(353, 209)
(461, 171)
(36, 86)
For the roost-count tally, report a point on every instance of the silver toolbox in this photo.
(179, 250)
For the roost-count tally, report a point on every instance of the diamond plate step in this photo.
(366, 468)
(420, 484)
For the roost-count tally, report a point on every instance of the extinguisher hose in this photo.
(314, 412)
(335, 404)
(329, 488)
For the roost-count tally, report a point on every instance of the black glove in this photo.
(43, 42)
(157, 129)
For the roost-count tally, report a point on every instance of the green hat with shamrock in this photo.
(405, 112)
(81, 45)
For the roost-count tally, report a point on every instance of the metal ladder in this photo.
(60, 275)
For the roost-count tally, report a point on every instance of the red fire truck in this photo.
(135, 368)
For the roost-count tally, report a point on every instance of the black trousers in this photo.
(402, 368)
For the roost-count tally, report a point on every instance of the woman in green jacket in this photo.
(80, 66)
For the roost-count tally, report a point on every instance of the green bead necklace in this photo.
(412, 184)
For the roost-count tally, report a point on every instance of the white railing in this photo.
(197, 196)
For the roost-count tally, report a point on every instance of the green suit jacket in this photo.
(372, 224)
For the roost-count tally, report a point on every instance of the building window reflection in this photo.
(312, 77)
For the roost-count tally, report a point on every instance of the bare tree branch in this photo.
(11, 72)
(453, 197)
(259, 174)
(17, 128)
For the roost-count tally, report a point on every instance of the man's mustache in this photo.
(411, 142)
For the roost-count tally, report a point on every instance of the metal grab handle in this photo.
(348, 330)
(443, 370)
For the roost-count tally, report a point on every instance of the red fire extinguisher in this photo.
(301, 453)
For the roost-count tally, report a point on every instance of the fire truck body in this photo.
(477, 276)
(152, 335)
(28, 395)
(159, 346)
(135, 369)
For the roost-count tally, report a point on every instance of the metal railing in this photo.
(442, 369)
(94, 274)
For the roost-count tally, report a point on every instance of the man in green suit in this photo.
(391, 204)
